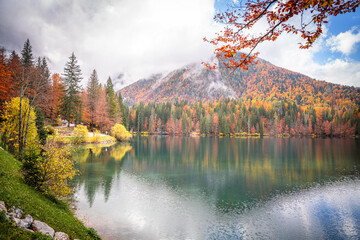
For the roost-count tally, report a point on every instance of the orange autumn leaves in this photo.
(303, 17)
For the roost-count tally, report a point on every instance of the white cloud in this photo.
(285, 52)
(142, 37)
(344, 42)
(133, 36)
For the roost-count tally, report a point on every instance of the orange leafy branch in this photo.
(235, 37)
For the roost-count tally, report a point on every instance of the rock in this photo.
(61, 236)
(16, 220)
(2, 206)
(39, 226)
(22, 224)
(28, 230)
(16, 213)
(26, 222)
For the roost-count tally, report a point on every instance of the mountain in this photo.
(263, 81)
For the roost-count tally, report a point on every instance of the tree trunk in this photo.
(20, 118)
(27, 128)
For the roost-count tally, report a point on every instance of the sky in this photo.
(132, 39)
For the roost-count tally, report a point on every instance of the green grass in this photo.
(14, 192)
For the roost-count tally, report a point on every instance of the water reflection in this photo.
(242, 169)
(98, 166)
(221, 188)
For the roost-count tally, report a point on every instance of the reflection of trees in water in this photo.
(243, 167)
(98, 166)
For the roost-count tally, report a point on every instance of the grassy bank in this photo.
(69, 135)
(14, 192)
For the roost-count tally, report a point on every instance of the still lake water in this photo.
(221, 188)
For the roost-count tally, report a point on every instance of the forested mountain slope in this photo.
(263, 81)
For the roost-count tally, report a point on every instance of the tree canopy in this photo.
(304, 17)
(71, 101)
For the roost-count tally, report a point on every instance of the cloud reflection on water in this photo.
(142, 210)
(172, 188)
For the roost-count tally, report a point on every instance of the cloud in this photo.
(344, 42)
(134, 37)
(285, 52)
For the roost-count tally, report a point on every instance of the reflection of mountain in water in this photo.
(234, 170)
(231, 170)
(221, 188)
(98, 165)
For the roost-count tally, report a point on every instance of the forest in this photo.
(55, 98)
(237, 117)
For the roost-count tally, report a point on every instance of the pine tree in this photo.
(71, 102)
(27, 59)
(93, 87)
(123, 112)
(111, 98)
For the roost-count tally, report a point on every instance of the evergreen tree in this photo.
(71, 102)
(27, 59)
(92, 96)
(123, 112)
(261, 128)
(111, 99)
(184, 123)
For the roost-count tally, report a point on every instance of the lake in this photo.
(163, 187)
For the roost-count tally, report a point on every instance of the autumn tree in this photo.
(29, 87)
(15, 69)
(102, 117)
(13, 129)
(56, 169)
(302, 17)
(71, 102)
(57, 93)
(43, 86)
(5, 78)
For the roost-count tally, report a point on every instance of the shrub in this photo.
(59, 138)
(49, 171)
(96, 138)
(80, 134)
(56, 169)
(3, 217)
(93, 234)
(30, 169)
(50, 130)
(120, 133)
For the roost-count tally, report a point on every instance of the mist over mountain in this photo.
(262, 81)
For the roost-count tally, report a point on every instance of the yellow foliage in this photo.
(56, 168)
(96, 138)
(80, 134)
(120, 133)
(10, 126)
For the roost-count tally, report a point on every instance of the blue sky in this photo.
(337, 25)
(132, 39)
(336, 52)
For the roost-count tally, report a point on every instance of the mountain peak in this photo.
(263, 81)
